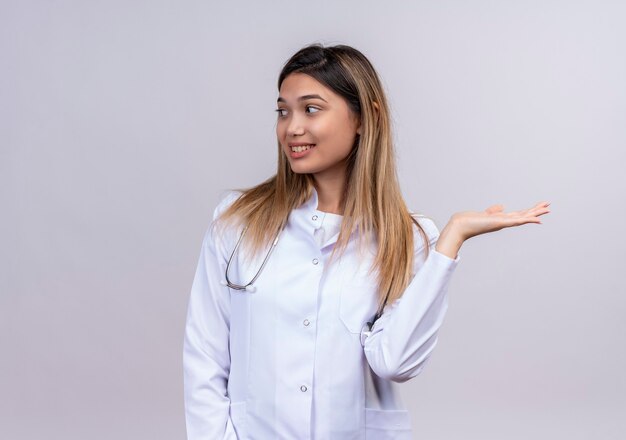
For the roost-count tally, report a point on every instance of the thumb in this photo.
(494, 208)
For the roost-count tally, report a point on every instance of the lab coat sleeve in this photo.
(206, 355)
(403, 338)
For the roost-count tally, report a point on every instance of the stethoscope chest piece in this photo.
(249, 288)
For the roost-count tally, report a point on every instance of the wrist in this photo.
(450, 241)
(453, 230)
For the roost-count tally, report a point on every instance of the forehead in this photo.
(299, 84)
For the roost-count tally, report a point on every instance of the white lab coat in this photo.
(286, 361)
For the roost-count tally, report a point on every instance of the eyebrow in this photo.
(303, 98)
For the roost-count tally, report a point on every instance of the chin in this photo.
(300, 168)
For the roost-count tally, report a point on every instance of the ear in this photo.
(376, 109)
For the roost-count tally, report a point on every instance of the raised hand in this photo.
(471, 223)
(468, 224)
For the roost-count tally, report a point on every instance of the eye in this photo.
(282, 115)
(314, 108)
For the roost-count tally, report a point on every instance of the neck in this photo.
(330, 191)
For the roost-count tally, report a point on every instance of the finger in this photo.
(538, 209)
(523, 221)
(518, 218)
(535, 212)
(534, 219)
(527, 211)
(494, 208)
(531, 215)
(538, 206)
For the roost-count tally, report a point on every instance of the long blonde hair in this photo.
(373, 200)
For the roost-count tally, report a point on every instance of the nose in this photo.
(295, 127)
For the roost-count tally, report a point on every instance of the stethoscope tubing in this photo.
(249, 287)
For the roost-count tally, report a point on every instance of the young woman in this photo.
(279, 341)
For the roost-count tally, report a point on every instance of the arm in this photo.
(403, 338)
(206, 355)
(405, 335)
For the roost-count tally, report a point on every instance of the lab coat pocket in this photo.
(238, 417)
(387, 424)
(357, 304)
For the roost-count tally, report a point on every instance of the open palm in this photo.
(472, 223)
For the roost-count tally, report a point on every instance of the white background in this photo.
(122, 123)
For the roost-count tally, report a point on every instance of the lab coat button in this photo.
(306, 322)
(303, 388)
(315, 261)
(314, 218)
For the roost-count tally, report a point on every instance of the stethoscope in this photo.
(248, 287)
(366, 330)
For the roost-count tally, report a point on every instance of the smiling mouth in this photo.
(300, 148)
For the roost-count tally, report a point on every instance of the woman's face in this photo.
(310, 113)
